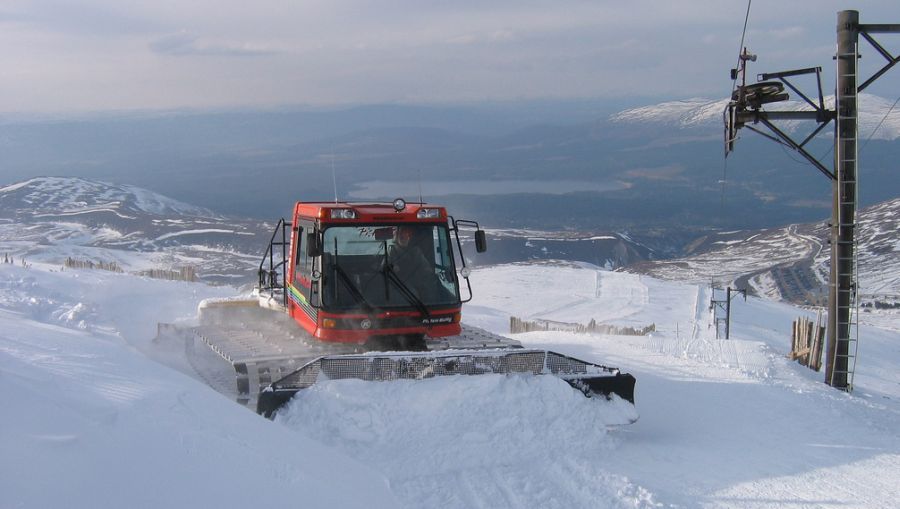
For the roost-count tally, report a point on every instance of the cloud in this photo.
(185, 43)
(85, 18)
(494, 36)
(782, 33)
(207, 53)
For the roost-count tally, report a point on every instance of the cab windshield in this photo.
(388, 266)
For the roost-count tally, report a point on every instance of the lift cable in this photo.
(724, 179)
(741, 48)
(879, 124)
(733, 87)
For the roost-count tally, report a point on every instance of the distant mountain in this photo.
(650, 171)
(792, 262)
(52, 218)
(874, 113)
(684, 113)
(70, 196)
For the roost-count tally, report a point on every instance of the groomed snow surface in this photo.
(91, 422)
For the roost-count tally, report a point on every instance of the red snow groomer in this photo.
(376, 291)
(381, 275)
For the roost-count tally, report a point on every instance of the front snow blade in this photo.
(591, 379)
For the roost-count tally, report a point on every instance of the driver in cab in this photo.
(408, 258)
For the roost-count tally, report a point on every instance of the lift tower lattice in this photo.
(746, 108)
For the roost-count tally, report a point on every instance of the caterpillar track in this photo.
(260, 359)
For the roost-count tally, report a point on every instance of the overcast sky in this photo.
(97, 55)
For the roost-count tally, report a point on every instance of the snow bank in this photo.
(88, 422)
(474, 441)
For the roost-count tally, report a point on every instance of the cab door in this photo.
(302, 289)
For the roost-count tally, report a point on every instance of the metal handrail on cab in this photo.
(269, 278)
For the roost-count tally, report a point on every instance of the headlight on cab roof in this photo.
(428, 214)
(343, 214)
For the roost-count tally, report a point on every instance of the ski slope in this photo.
(92, 422)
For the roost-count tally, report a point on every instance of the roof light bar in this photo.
(428, 213)
(343, 214)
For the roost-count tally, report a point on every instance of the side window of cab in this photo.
(300, 233)
(302, 262)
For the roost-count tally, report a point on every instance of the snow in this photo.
(97, 424)
(72, 195)
(877, 117)
(733, 423)
(64, 213)
(687, 112)
(722, 423)
(199, 232)
(765, 284)
(487, 441)
(13, 187)
(51, 219)
(577, 294)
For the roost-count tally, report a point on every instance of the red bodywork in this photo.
(344, 327)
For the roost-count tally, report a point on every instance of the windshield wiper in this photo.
(354, 291)
(404, 289)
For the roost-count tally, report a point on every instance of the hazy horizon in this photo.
(106, 56)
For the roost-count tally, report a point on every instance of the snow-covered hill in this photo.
(792, 262)
(71, 196)
(706, 113)
(52, 218)
(684, 113)
(49, 219)
(100, 221)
